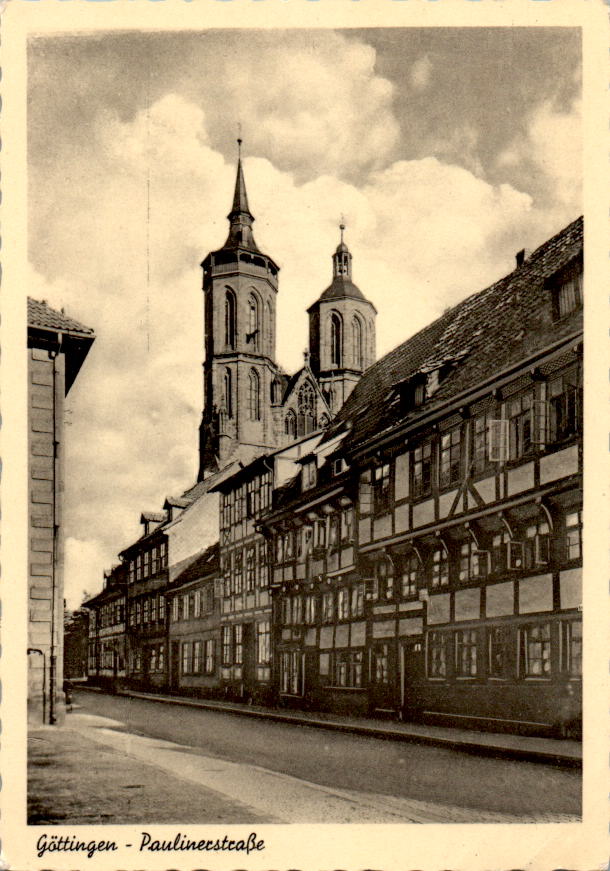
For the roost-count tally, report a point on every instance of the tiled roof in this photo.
(152, 517)
(484, 334)
(341, 288)
(42, 315)
(206, 564)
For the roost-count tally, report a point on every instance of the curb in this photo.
(465, 746)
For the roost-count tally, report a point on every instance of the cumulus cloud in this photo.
(421, 73)
(119, 230)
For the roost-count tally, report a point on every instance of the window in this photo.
(437, 654)
(163, 554)
(521, 426)
(161, 659)
(381, 489)
(290, 424)
(499, 552)
(450, 458)
(155, 560)
(305, 540)
(263, 642)
(139, 612)
(357, 343)
(185, 607)
(146, 569)
(153, 609)
(227, 649)
(466, 653)
(250, 564)
(309, 475)
(568, 293)
(328, 607)
(132, 571)
(440, 567)
(565, 407)
(253, 322)
(290, 672)
(574, 535)
(473, 563)
(499, 641)
(228, 392)
(254, 399)
(571, 648)
(139, 567)
(146, 610)
(230, 311)
(306, 409)
(536, 650)
(384, 573)
(536, 550)
(310, 609)
(175, 609)
(297, 610)
(186, 657)
(238, 572)
(320, 534)
(336, 341)
(348, 668)
(343, 604)
(197, 662)
(209, 655)
(161, 608)
(379, 665)
(238, 645)
(422, 469)
(347, 522)
(480, 442)
(358, 599)
(411, 576)
(269, 328)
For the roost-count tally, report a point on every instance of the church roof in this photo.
(485, 334)
(240, 197)
(340, 288)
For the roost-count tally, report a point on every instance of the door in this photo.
(174, 667)
(249, 654)
(412, 678)
(383, 677)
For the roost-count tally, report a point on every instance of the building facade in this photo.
(57, 348)
(107, 648)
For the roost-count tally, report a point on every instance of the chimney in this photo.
(522, 256)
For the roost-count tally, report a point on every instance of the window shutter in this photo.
(498, 440)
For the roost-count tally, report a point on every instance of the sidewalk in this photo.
(564, 753)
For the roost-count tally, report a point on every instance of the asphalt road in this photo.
(351, 762)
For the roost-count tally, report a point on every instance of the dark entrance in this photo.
(249, 663)
(412, 678)
(174, 666)
(383, 682)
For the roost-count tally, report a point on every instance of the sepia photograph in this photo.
(305, 405)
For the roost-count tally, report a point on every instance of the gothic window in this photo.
(275, 391)
(357, 342)
(269, 329)
(336, 340)
(254, 395)
(228, 392)
(306, 406)
(230, 307)
(290, 424)
(253, 322)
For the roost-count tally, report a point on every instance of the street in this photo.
(290, 773)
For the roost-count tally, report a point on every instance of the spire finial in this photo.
(239, 140)
(342, 226)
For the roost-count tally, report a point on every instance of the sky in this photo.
(446, 151)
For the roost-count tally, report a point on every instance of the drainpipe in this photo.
(53, 655)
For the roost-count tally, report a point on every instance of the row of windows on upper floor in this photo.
(403, 575)
(198, 603)
(245, 569)
(247, 501)
(542, 417)
(110, 614)
(334, 530)
(148, 562)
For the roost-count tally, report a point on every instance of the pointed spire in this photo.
(342, 259)
(240, 216)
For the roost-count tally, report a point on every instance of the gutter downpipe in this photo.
(53, 655)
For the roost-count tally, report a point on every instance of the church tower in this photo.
(341, 332)
(239, 286)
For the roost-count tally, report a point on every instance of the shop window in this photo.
(381, 489)
(348, 668)
(209, 656)
(574, 535)
(536, 650)
(437, 654)
(422, 469)
(263, 642)
(440, 567)
(358, 599)
(450, 458)
(571, 648)
(466, 653)
(411, 579)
